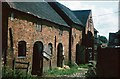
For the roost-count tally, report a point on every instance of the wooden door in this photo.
(37, 63)
(78, 54)
(60, 55)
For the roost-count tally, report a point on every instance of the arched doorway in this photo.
(60, 56)
(78, 54)
(90, 38)
(37, 63)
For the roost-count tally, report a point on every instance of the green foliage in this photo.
(103, 39)
(8, 73)
(17, 74)
(74, 69)
(91, 73)
(56, 72)
(83, 66)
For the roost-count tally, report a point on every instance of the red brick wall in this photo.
(23, 29)
(89, 27)
(77, 38)
(89, 43)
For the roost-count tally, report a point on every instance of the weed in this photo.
(17, 74)
(56, 72)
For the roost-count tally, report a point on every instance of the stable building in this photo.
(75, 34)
(34, 32)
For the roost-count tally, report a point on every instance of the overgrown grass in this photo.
(8, 73)
(56, 72)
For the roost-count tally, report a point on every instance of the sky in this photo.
(104, 13)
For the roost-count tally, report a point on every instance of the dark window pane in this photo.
(22, 48)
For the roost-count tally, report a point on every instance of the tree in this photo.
(103, 39)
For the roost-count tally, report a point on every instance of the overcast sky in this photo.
(105, 14)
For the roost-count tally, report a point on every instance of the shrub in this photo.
(17, 74)
(91, 73)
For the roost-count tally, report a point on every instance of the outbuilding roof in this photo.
(67, 12)
(95, 30)
(82, 15)
(40, 9)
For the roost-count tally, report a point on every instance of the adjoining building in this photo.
(114, 39)
(85, 16)
(76, 29)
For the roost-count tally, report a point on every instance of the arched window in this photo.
(90, 35)
(21, 48)
(89, 39)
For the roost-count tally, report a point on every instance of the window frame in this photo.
(39, 27)
(22, 49)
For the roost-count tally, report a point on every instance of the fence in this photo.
(108, 62)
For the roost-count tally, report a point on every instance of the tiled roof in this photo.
(40, 9)
(82, 15)
(66, 11)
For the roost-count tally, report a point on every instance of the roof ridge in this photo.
(81, 10)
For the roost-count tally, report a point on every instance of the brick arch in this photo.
(89, 38)
(78, 54)
(37, 60)
(60, 56)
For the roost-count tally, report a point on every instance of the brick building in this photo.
(114, 39)
(75, 36)
(46, 35)
(85, 16)
(35, 33)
